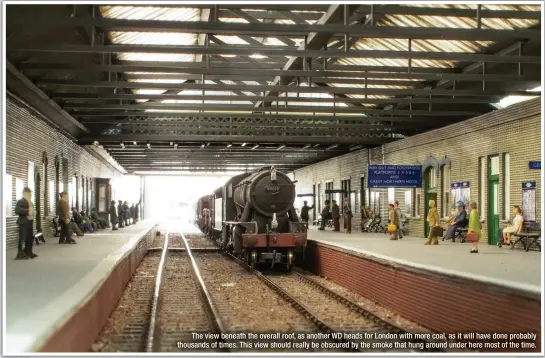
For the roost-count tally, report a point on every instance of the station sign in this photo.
(463, 184)
(529, 185)
(303, 195)
(394, 176)
(536, 165)
(334, 191)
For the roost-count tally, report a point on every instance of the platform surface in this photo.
(515, 269)
(41, 291)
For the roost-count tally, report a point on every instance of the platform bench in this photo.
(529, 237)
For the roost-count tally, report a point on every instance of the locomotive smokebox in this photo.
(269, 192)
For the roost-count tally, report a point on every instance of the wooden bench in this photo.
(529, 237)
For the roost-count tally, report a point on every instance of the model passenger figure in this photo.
(433, 220)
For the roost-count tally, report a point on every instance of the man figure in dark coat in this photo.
(336, 215)
(113, 216)
(120, 214)
(63, 212)
(325, 215)
(304, 211)
(126, 214)
(131, 210)
(461, 221)
(137, 212)
(25, 210)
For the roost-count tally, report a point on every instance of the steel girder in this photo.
(250, 119)
(132, 109)
(93, 97)
(289, 89)
(251, 74)
(282, 29)
(240, 50)
(168, 136)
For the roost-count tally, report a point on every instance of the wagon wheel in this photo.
(253, 259)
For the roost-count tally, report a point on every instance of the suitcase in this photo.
(392, 228)
(436, 231)
(472, 237)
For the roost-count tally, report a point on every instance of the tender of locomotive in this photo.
(253, 216)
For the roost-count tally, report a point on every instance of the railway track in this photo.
(162, 305)
(187, 287)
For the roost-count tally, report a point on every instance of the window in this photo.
(408, 202)
(8, 195)
(30, 179)
(72, 192)
(19, 186)
(482, 186)
(102, 204)
(417, 194)
(445, 186)
(391, 195)
(375, 202)
(345, 186)
(432, 178)
(52, 201)
(495, 165)
(506, 184)
(46, 185)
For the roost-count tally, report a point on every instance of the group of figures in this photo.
(331, 212)
(124, 214)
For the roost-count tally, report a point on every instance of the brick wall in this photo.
(28, 136)
(515, 130)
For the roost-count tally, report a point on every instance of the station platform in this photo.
(42, 294)
(516, 269)
(442, 287)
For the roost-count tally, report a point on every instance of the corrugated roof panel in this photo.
(238, 20)
(152, 38)
(395, 62)
(160, 57)
(164, 80)
(368, 86)
(231, 40)
(150, 13)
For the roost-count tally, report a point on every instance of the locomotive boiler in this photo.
(259, 223)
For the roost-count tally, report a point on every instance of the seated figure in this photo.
(461, 221)
(515, 228)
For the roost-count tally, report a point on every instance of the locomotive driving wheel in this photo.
(290, 259)
(253, 259)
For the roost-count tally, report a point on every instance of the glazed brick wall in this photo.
(27, 137)
(515, 130)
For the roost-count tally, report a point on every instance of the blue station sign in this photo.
(536, 165)
(394, 176)
(529, 185)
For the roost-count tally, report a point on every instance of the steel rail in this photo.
(179, 249)
(324, 327)
(152, 328)
(216, 321)
(386, 324)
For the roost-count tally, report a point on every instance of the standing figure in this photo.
(394, 220)
(399, 216)
(126, 214)
(25, 210)
(113, 216)
(63, 211)
(347, 216)
(336, 215)
(433, 220)
(325, 215)
(120, 213)
(304, 211)
(474, 225)
(137, 212)
(131, 210)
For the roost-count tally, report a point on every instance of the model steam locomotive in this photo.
(253, 216)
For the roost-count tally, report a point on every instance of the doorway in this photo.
(430, 193)
(493, 199)
(37, 196)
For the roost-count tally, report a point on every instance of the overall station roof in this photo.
(237, 87)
